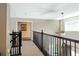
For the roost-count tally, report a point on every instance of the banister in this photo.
(77, 41)
(60, 46)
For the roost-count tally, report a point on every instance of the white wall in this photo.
(48, 26)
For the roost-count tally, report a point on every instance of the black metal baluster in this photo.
(13, 51)
(42, 40)
(20, 43)
(50, 41)
(60, 46)
(66, 47)
(63, 47)
(12, 44)
(70, 48)
(10, 51)
(75, 48)
(57, 46)
(19, 47)
(53, 46)
(15, 47)
(17, 51)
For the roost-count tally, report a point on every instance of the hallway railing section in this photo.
(52, 45)
(16, 43)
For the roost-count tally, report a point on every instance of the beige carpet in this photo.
(30, 49)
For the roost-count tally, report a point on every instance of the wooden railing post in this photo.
(20, 42)
(42, 40)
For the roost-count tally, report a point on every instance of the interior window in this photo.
(72, 25)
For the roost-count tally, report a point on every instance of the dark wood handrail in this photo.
(37, 32)
(77, 41)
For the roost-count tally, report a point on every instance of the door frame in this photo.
(31, 26)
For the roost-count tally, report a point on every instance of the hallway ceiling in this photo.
(44, 10)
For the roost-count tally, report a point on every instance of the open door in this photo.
(25, 27)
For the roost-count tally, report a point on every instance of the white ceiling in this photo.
(44, 10)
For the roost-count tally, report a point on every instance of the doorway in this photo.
(25, 27)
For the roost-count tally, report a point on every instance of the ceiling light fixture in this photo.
(61, 26)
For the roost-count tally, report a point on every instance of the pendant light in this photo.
(61, 25)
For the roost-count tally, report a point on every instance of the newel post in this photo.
(20, 42)
(41, 40)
